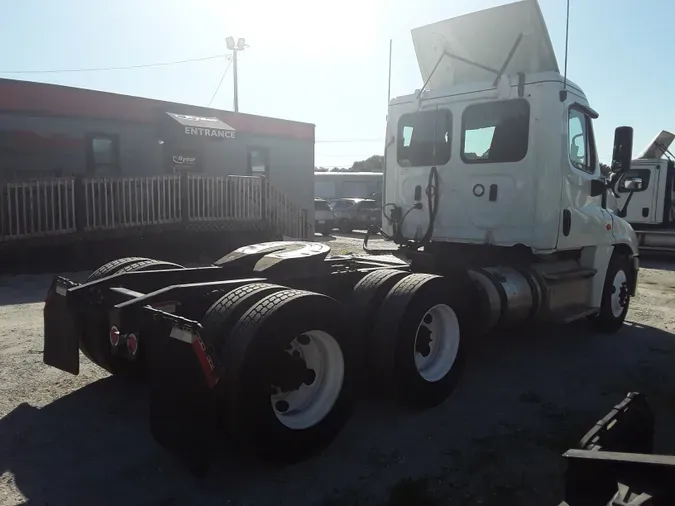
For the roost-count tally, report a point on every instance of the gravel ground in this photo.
(525, 398)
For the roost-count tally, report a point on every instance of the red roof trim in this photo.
(51, 99)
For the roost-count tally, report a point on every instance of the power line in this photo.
(221, 82)
(99, 69)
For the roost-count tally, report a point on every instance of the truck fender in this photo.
(597, 257)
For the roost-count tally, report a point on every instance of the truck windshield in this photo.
(424, 138)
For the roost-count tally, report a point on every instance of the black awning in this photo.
(200, 126)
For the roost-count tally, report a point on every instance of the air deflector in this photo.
(481, 42)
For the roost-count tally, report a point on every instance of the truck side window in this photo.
(580, 141)
(495, 132)
(424, 138)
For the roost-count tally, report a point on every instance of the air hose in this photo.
(396, 218)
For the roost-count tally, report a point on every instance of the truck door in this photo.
(583, 222)
(644, 207)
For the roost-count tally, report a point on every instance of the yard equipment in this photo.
(614, 464)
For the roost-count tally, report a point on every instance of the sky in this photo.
(326, 62)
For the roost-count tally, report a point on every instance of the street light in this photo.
(235, 48)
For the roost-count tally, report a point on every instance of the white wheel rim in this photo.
(309, 404)
(437, 343)
(619, 293)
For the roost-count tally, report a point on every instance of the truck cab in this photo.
(514, 148)
(494, 161)
(651, 209)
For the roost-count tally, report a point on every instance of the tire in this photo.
(95, 341)
(398, 354)
(614, 306)
(251, 360)
(224, 314)
(364, 305)
(104, 271)
(112, 267)
(345, 227)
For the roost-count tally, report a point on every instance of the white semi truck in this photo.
(651, 210)
(493, 167)
(493, 193)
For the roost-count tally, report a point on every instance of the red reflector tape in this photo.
(205, 361)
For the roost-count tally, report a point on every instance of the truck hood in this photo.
(658, 146)
(485, 38)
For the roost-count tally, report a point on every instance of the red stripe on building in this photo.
(56, 100)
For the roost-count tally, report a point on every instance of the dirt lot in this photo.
(525, 398)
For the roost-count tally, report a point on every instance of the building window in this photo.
(581, 142)
(424, 138)
(496, 132)
(103, 155)
(258, 161)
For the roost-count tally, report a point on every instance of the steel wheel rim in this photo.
(619, 297)
(308, 405)
(437, 343)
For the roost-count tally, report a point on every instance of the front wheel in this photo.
(615, 296)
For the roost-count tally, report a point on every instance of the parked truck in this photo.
(651, 210)
(494, 197)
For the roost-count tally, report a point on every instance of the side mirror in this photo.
(623, 149)
(633, 184)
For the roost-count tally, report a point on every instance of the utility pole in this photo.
(235, 48)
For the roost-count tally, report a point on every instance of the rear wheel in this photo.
(345, 227)
(224, 314)
(113, 267)
(106, 270)
(417, 349)
(95, 342)
(364, 305)
(615, 296)
(288, 375)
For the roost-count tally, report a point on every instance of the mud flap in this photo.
(182, 405)
(61, 329)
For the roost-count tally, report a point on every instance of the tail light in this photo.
(132, 344)
(114, 336)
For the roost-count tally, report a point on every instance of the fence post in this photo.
(305, 224)
(263, 198)
(80, 199)
(4, 215)
(184, 197)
